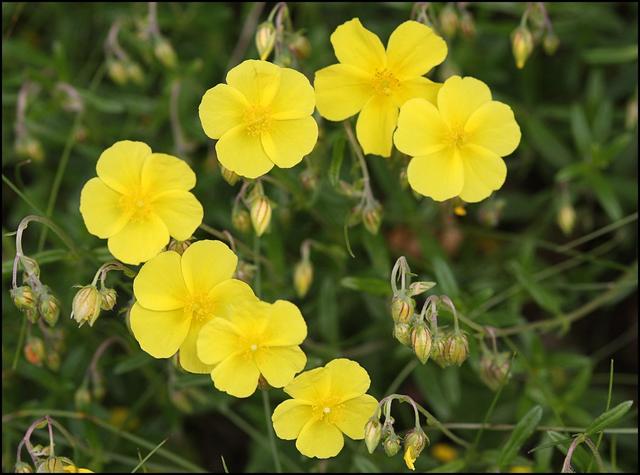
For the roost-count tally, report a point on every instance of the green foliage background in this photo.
(577, 143)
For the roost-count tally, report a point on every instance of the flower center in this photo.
(384, 83)
(257, 120)
(138, 204)
(327, 410)
(200, 307)
(457, 137)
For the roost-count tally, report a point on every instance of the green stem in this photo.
(432, 421)
(257, 283)
(20, 194)
(272, 440)
(402, 375)
(16, 356)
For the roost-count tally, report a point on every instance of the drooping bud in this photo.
(109, 297)
(631, 116)
(135, 73)
(49, 307)
(421, 341)
(22, 467)
(98, 389)
(402, 308)
(245, 271)
(303, 277)
(372, 434)
(521, 45)
(392, 444)
(418, 288)
(86, 305)
(29, 147)
(467, 25)
(178, 246)
(402, 333)
(117, 71)
(34, 351)
(260, 214)
(31, 267)
(24, 298)
(229, 176)
(438, 349)
(50, 465)
(309, 179)
(448, 20)
(566, 218)
(265, 39)
(494, 368)
(550, 43)
(82, 397)
(53, 360)
(457, 349)
(372, 216)
(240, 219)
(300, 46)
(414, 443)
(165, 53)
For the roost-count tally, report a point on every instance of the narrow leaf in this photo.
(519, 436)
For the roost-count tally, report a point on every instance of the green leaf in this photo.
(545, 142)
(444, 277)
(581, 457)
(519, 436)
(542, 296)
(131, 363)
(620, 54)
(606, 195)
(337, 156)
(370, 285)
(581, 130)
(608, 418)
(101, 104)
(365, 465)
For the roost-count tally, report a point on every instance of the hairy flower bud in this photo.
(467, 25)
(457, 349)
(240, 219)
(29, 147)
(82, 397)
(414, 443)
(303, 277)
(265, 39)
(260, 215)
(418, 288)
(135, 72)
(165, 53)
(34, 351)
(494, 368)
(402, 308)
(22, 467)
(49, 307)
(566, 218)
(550, 43)
(229, 176)
(51, 465)
(117, 71)
(448, 20)
(392, 445)
(300, 46)
(402, 333)
(108, 297)
(421, 341)
(24, 298)
(86, 305)
(438, 349)
(372, 217)
(372, 433)
(522, 45)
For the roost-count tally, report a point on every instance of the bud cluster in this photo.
(303, 271)
(524, 39)
(276, 35)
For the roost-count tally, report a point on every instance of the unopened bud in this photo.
(240, 219)
(29, 147)
(22, 467)
(117, 72)
(438, 349)
(179, 246)
(421, 341)
(303, 277)
(467, 25)
(631, 116)
(417, 288)
(51, 465)
(494, 368)
(229, 176)
(86, 305)
(372, 434)
(265, 39)
(402, 308)
(109, 297)
(414, 443)
(34, 351)
(309, 179)
(392, 445)
(31, 266)
(372, 216)
(82, 397)
(566, 218)
(245, 271)
(165, 53)
(260, 215)
(98, 390)
(135, 73)
(49, 307)
(457, 349)
(448, 20)
(53, 361)
(24, 298)
(521, 45)
(402, 333)
(300, 46)
(550, 43)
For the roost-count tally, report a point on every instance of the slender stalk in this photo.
(21, 195)
(402, 375)
(257, 283)
(510, 427)
(272, 440)
(23, 330)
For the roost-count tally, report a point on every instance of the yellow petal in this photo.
(159, 333)
(341, 91)
(484, 172)
(417, 88)
(243, 153)
(357, 46)
(162, 172)
(180, 211)
(494, 127)
(188, 356)
(421, 130)
(228, 295)
(120, 166)
(257, 80)
(354, 414)
(439, 175)
(458, 98)
(285, 326)
(139, 240)
(289, 418)
(279, 364)
(218, 340)
(207, 263)
(288, 141)
(348, 379)
(376, 124)
(221, 109)
(295, 98)
(100, 208)
(313, 385)
(414, 49)
(237, 375)
(319, 438)
(159, 285)
(409, 458)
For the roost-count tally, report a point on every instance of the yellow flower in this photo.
(257, 339)
(177, 295)
(376, 82)
(74, 469)
(327, 402)
(457, 146)
(262, 117)
(410, 456)
(138, 200)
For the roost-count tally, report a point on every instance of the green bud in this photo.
(165, 53)
(82, 397)
(98, 389)
(550, 43)
(260, 215)
(372, 433)
(265, 39)
(414, 443)
(448, 20)
(117, 71)
(402, 308)
(53, 361)
(418, 288)
(467, 25)
(300, 46)
(303, 277)
(372, 217)
(24, 298)
(31, 267)
(494, 368)
(402, 333)
(566, 218)
(522, 45)
(392, 445)
(22, 467)
(457, 349)
(51, 465)
(49, 307)
(135, 73)
(309, 179)
(108, 298)
(178, 246)
(29, 147)
(228, 175)
(438, 349)
(240, 219)
(421, 341)
(86, 305)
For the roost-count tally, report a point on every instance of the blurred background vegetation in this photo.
(557, 244)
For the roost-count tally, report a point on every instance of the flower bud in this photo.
(418, 288)
(228, 175)
(414, 443)
(82, 397)
(34, 351)
(372, 433)
(245, 271)
(402, 308)
(448, 20)
(29, 147)
(49, 307)
(566, 218)
(22, 467)
(260, 215)
(24, 298)
(309, 179)
(402, 333)
(521, 45)
(86, 305)
(98, 390)
(165, 53)
(50, 465)
(135, 73)
(265, 39)
(392, 445)
(457, 349)
(550, 43)
(494, 368)
(179, 246)
(108, 297)
(300, 46)
(53, 361)
(117, 72)
(372, 216)
(421, 341)
(240, 219)
(31, 267)
(303, 277)
(438, 349)
(467, 25)
(631, 116)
